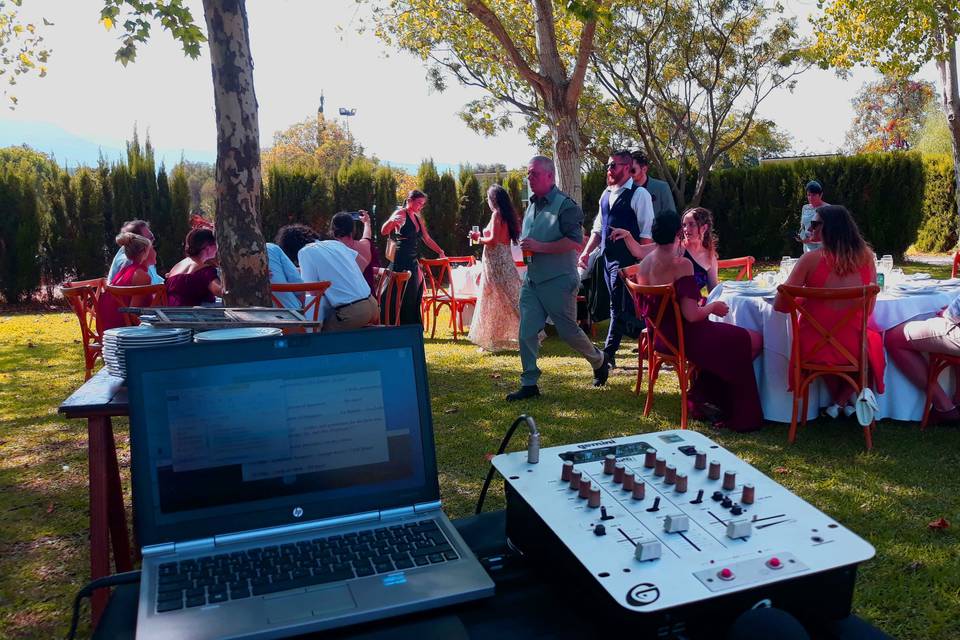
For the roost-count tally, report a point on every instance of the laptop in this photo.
(286, 485)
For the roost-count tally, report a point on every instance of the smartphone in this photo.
(354, 214)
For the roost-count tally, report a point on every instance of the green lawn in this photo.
(910, 590)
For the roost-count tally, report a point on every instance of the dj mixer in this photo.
(678, 532)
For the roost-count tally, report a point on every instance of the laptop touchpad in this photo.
(312, 603)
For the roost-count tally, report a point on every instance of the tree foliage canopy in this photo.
(888, 113)
(21, 47)
(313, 144)
(134, 19)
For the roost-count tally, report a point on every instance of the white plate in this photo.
(145, 332)
(240, 333)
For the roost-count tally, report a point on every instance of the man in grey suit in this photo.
(659, 190)
(552, 235)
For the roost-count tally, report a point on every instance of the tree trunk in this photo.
(567, 152)
(240, 241)
(951, 108)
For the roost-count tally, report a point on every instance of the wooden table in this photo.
(99, 399)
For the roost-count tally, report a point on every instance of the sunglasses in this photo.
(614, 165)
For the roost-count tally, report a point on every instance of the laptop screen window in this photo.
(337, 426)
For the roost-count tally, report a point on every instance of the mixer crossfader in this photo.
(668, 524)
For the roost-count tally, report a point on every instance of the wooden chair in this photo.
(439, 292)
(745, 264)
(673, 353)
(856, 366)
(83, 300)
(390, 288)
(123, 296)
(938, 362)
(467, 261)
(317, 289)
(956, 265)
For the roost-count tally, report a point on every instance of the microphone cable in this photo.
(128, 577)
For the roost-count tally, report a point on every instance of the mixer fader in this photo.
(667, 519)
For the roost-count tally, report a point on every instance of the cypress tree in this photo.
(428, 181)
(179, 215)
(89, 256)
(470, 214)
(444, 229)
(354, 187)
(161, 223)
(385, 197)
(319, 204)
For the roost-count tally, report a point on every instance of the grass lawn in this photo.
(911, 589)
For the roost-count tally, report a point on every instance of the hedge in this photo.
(938, 228)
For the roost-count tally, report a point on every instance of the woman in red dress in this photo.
(194, 280)
(844, 260)
(141, 254)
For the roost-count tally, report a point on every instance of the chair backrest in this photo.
(390, 288)
(464, 260)
(83, 301)
(956, 265)
(859, 299)
(93, 282)
(660, 298)
(745, 264)
(316, 289)
(124, 295)
(439, 283)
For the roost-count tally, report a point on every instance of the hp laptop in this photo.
(286, 485)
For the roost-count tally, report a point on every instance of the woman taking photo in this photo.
(194, 280)
(140, 256)
(496, 320)
(723, 353)
(700, 246)
(405, 228)
(341, 228)
(844, 259)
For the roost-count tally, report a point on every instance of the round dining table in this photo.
(752, 308)
(467, 283)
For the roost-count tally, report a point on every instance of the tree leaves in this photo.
(21, 48)
(134, 18)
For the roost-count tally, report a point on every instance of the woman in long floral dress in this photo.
(496, 320)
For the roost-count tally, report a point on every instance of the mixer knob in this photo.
(618, 470)
(729, 480)
(575, 477)
(700, 460)
(594, 500)
(650, 458)
(676, 523)
(748, 494)
(660, 466)
(717, 496)
(670, 476)
(609, 461)
(714, 472)
(647, 550)
(584, 489)
(726, 503)
(639, 489)
(628, 480)
(681, 482)
(736, 509)
(566, 471)
(739, 529)
(599, 530)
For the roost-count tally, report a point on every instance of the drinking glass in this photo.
(886, 263)
(473, 230)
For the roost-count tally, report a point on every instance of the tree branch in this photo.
(482, 12)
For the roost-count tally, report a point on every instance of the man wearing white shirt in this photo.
(623, 205)
(141, 228)
(347, 304)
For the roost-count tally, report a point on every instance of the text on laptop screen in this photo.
(346, 425)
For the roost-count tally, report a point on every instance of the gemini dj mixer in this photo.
(679, 533)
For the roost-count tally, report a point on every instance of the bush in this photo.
(20, 237)
(938, 228)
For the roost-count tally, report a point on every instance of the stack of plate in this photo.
(240, 333)
(749, 288)
(116, 342)
(916, 287)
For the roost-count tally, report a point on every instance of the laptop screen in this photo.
(246, 435)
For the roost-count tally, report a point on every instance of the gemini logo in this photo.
(297, 512)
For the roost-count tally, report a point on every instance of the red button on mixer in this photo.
(725, 574)
(774, 563)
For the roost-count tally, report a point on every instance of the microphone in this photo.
(533, 441)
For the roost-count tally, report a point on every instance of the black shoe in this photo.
(600, 375)
(613, 362)
(524, 392)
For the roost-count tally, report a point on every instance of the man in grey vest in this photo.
(552, 235)
(660, 192)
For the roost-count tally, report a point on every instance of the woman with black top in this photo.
(406, 227)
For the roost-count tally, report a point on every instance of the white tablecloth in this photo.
(900, 400)
(467, 282)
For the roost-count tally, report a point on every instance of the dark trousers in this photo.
(618, 301)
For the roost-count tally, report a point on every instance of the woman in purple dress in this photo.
(725, 386)
(194, 280)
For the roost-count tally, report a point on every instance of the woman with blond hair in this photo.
(140, 256)
(700, 246)
(844, 259)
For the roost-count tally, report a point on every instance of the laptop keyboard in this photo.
(254, 572)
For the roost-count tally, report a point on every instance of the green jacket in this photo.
(548, 219)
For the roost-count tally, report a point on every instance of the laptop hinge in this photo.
(300, 527)
(193, 545)
(399, 512)
(427, 506)
(158, 549)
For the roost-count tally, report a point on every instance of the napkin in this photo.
(913, 277)
(716, 293)
(866, 406)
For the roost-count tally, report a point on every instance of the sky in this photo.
(300, 48)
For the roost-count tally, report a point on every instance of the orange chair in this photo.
(468, 261)
(317, 289)
(956, 265)
(123, 296)
(439, 292)
(745, 264)
(675, 354)
(390, 288)
(83, 301)
(938, 362)
(804, 372)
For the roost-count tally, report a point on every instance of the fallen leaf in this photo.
(50, 508)
(451, 410)
(939, 523)
(781, 470)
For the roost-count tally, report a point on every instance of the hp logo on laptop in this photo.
(297, 512)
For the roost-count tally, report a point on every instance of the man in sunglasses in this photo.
(660, 192)
(623, 205)
(807, 215)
